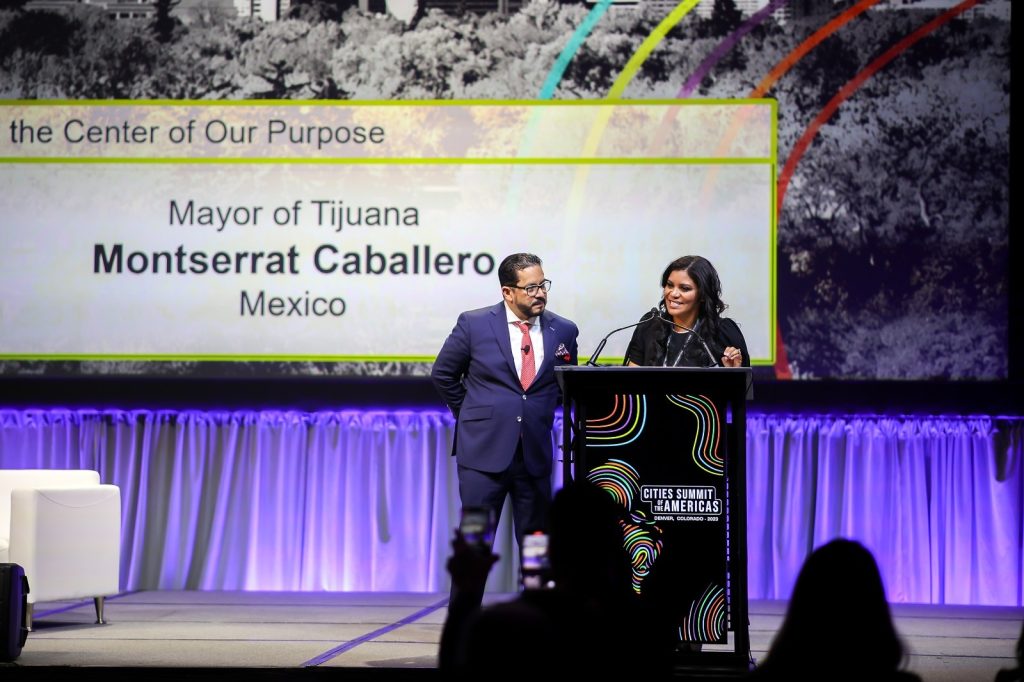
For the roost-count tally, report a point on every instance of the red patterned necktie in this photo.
(529, 368)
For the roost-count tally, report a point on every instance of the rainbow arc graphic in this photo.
(621, 426)
(619, 479)
(660, 32)
(704, 450)
(705, 621)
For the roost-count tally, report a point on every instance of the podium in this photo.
(669, 444)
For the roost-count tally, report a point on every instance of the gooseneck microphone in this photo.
(695, 334)
(651, 314)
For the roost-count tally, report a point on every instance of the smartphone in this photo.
(535, 567)
(477, 527)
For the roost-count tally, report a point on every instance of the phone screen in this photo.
(536, 569)
(477, 527)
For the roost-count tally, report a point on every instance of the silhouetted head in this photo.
(838, 617)
(586, 542)
(1020, 650)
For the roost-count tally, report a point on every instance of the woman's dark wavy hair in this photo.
(838, 617)
(709, 289)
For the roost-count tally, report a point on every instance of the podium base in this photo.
(696, 664)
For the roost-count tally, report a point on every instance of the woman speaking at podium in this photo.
(688, 330)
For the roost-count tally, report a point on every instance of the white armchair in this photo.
(64, 528)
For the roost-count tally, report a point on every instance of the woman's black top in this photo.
(655, 344)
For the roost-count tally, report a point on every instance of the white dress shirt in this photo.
(515, 337)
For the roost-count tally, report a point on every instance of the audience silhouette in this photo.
(590, 621)
(1015, 674)
(837, 625)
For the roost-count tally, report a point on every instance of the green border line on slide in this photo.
(447, 161)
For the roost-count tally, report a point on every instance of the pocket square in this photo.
(563, 353)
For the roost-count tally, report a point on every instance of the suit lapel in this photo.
(550, 342)
(501, 336)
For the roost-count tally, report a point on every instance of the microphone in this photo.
(525, 349)
(698, 336)
(651, 314)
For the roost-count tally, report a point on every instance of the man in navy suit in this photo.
(496, 373)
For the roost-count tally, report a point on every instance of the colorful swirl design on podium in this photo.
(709, 426)
(706, 620)
(621, 426)
(641, 537)
(643, 542)
(620, 479)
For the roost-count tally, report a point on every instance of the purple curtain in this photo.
(938, 500)
(366, 500)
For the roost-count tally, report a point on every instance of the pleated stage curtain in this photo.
(366, 500)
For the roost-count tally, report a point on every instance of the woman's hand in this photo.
(732, 357)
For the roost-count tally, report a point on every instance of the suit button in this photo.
(524, 396)
(519, 419)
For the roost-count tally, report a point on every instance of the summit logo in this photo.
(683, 502)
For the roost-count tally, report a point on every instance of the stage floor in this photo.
(225, 632)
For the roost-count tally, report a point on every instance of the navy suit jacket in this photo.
(476, 376)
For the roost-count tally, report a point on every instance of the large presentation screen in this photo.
(197, 234)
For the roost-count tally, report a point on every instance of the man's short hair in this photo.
(508, 271)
